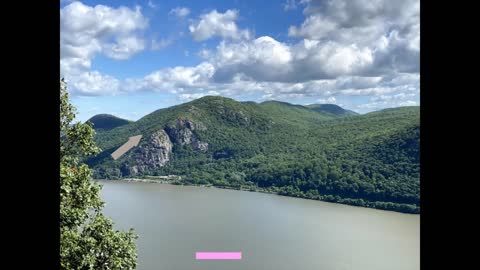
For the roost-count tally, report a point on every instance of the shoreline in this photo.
(167, 182)
(346, 201)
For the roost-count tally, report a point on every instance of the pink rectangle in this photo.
(218, 255)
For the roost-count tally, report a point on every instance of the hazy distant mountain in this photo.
(331, 108)
(305, 151)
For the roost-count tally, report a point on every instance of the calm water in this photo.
(272, 232)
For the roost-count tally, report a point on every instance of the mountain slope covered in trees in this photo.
(331, 109)
(369, 160)
(107, 121)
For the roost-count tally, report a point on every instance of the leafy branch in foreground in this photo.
(87, 238)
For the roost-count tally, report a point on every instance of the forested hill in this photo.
(107, 122)
(330, 109)
(368, 160)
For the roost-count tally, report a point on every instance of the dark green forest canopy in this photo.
(107, 122)
(368, 160)
(330, 109)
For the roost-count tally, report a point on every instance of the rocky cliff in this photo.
(157, 150)
(183, 133)
(152, 154)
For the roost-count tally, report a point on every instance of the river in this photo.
(272, 232)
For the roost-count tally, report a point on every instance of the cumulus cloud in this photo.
(124, 48)
(263, 59)
(356, 49)
(94, 83)
(86, 31)
(179, 78)
(188, 81)
(266, 59)
(218, 24)
(389, 29)
(391, 97)
(180, 12)
(346, 19)
(338, 38)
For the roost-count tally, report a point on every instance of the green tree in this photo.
(87, 238)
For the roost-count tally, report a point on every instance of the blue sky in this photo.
(129, 58)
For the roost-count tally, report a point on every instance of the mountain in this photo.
(331, 109)
(107, 121)
(293, 114)
(368, 160)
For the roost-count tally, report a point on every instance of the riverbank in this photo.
(176, 182)
(381, 205)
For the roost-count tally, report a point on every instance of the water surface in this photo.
(272, 232)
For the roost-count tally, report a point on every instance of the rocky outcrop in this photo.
(154, 153)
(182, 132)
(157, 150)
(198, 145)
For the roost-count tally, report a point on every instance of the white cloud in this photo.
(408, 103)
(86, 31)
(161, 44)
(205, 53)
(188, 97)
(151, 4)
(314, 27)
(190, 80)
(266, 59)
(396, 97)
(400, 96)
(290, 5)
(389, 29)
(263, 59)
(178, 78)
(180, 12)
(354, 51)
(379, 105)
(94, 83)
(330, 100)
(124, 48)
(218, 24)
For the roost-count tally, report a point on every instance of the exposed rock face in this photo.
(153, 154)
(159, 149)
(182, 133)
(156, 151)
(202, 146)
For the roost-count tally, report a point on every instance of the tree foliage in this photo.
(88, 239)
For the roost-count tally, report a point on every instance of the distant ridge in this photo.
(107, 121)
(331, 108)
